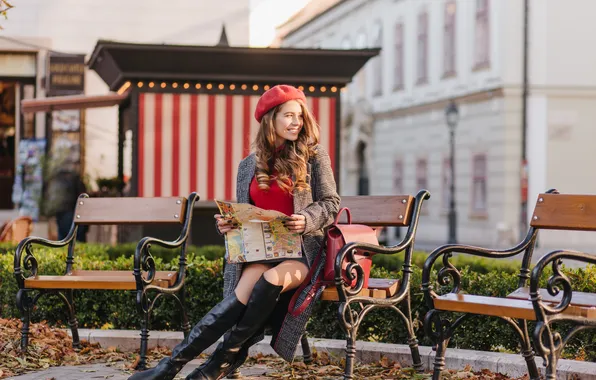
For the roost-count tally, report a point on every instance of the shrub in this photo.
(117, 309)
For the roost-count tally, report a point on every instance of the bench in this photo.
(355, 303)
(143, 278)
(526, 303)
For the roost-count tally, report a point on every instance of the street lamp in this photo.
(452, 117)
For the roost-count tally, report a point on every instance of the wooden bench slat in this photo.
(141, 210)
(105, 280)
(377, 288)
(379, 210)
(467, 303)
(500, 307)
(565, 212)
(387, 285)
(577, 298)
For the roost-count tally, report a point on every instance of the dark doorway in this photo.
(363, 180)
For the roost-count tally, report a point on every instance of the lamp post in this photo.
(452, 117)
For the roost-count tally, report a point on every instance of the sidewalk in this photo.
(116, 372)
(367, 352)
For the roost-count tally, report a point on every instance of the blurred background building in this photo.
(395, 137)
(43, 50)
(517, 76)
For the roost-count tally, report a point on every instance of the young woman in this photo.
(288, 172)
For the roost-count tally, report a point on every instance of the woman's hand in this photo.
(224, 225)
(295, 223)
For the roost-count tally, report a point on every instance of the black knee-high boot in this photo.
(232, 352)
(213, 325)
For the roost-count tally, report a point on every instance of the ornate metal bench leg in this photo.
(185, 325)
(412, 340)
(72, 319)
(416, 360)
(439, 331)
(550, 345)
(350, 354)
(527, 351)
(144, 340)
(24, 305)
(306, 354)
(528, 355)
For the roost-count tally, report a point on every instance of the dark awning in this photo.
(117, 62)
(71, 102)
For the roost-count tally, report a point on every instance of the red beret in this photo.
(275, 96)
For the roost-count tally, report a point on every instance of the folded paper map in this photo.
(260, 235)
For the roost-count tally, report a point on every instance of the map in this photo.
(260, 235)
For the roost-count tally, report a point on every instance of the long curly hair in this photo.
(291, 159)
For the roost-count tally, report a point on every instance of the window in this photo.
(398, 176)
(422, 62)
(479, 204)
(378, 61)
(482, 41)
(446, 182)
(449, 36)
(398, 66)
(421, 174)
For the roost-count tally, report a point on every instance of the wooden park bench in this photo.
(149, 283)
(528, 302)
(356, 302)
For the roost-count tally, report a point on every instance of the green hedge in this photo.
(117, 309)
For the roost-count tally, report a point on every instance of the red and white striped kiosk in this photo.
(190, 109)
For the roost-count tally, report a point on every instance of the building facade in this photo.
(36, 28)
(394, 134)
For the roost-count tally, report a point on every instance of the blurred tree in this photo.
(4, 6)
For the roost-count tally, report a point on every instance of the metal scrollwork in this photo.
(449, 275)
(143, 302)
(554, 342)
(148, 265)
(557, 280)
(30, 262)
(349, 316)
(354, 271)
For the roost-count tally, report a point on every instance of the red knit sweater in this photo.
(275, 198)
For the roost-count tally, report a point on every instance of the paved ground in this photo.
(367, 352)
(116, 371)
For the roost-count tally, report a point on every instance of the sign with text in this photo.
(65, 74)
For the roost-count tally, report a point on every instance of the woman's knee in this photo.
(250, 275)
(289, 274)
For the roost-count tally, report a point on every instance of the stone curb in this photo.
(366, 352)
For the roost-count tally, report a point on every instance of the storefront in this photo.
(18, 72)
(186, 112)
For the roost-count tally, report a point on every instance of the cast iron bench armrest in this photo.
(143, 260)
(406, 245)
(449, 274)
(354, 271)
(556, 281)
(29, 262)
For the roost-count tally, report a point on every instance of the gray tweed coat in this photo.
(319, 206)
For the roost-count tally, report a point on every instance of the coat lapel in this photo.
(245, 179)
